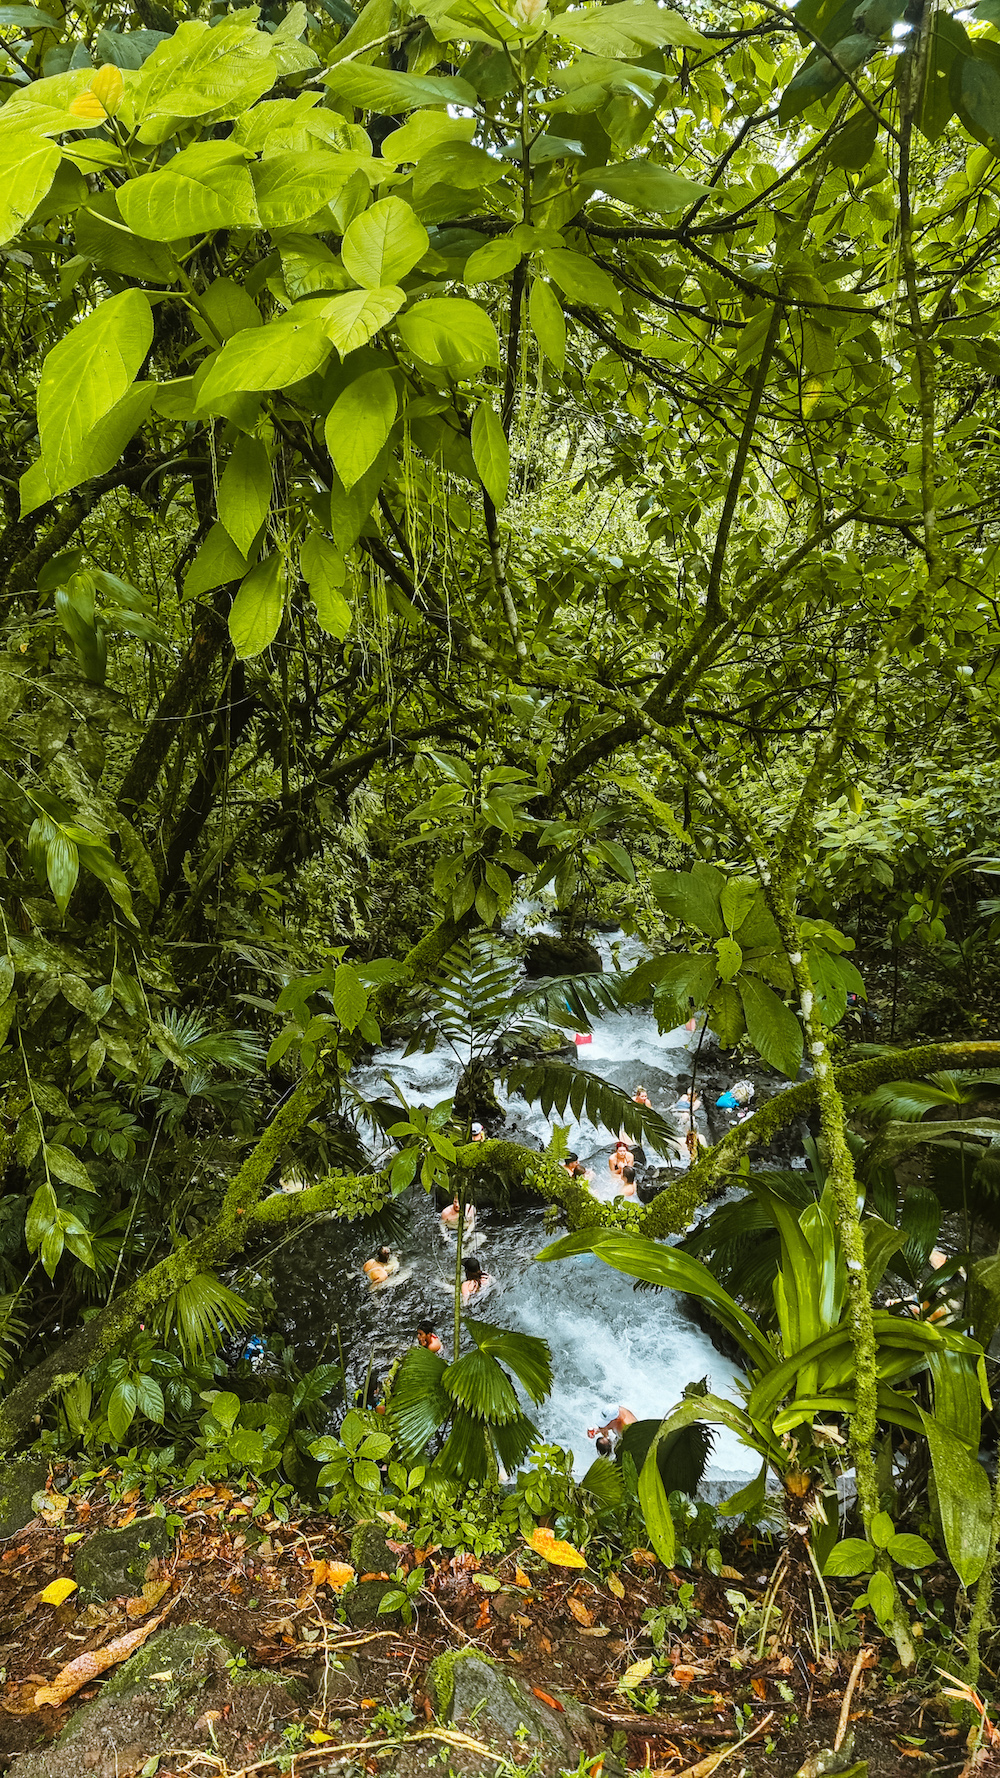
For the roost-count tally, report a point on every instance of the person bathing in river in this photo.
(451, 1213)
(427, 1337)
(383, 1266)
(478, 1133)
(476, 1280)
(607, 1436)
(621, 1158)
(575, 1168)
(628, 1182)
(641, 1097)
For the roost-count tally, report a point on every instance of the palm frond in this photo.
(201, 1312)
(604, 1481)
(513, 1441)
(528, 1356)
(571, 1001)
(910, 1100)
(465, 1453)
(558, 1084)
(467, 999)
(895, 1137)
(418, 1405)
(482, 1387)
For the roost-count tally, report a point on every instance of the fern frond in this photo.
(13, 1331)
(558, 1084)
(571, 1001)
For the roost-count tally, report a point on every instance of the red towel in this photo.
(581, 1039)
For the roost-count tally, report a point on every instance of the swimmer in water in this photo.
(683, 1102)
(575, 1168)
(427, 1337)
(451, 1213)
(476, 1280)
(628, 1182)
(612, 1430)
(383, 1266)
(621, 1158)
(641, 1097)
(478, 1133)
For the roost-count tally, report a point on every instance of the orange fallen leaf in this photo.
(580, 1612)
(645, 1556)
(547, 1698)
(555, 1549)
(683, 1676)
(521, 1579)
(90, 1666)
(760, 1687)
(336, 1575)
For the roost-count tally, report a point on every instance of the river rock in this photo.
(551, 955)
(362, 1601)
(115, 1561)
(19, 1480)
(466, 1685)
(370, 1552)
(180, 1689)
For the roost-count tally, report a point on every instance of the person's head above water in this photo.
(472, 1269)
(628, 1174)
(427, 1336)
(603, 1447)
(383, 1254)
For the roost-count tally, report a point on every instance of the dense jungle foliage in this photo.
(451, 451)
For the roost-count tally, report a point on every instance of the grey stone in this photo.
(115, 1561)
(19, 1480)
(549, 955)
(465, 1684)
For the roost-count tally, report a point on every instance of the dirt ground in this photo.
(264, 1587)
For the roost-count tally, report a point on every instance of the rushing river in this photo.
(611, 1345)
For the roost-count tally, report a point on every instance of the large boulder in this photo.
(116, 1560)
(548, 954)
(464, 1685)
(182, 1689)
(19, 1481)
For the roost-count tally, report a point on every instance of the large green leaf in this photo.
(453, 332)
(27, 169)
(644, 184)
(383, 244)
(381, 89)
(245, 491)
(85, 375)
(203, 188)
(772, 1027)
(359, 423)
(353, 319)
(101, 235)
(625, 29)
(693, 897)
(291, 187)
(217, 562)
(323, 568)
(491, 453)
(548, 323)
(198, 71)
(581, 279)
(963, 1499)
(655, 1509)
(257, 610)
(269, 357)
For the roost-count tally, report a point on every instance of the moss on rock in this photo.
(115, 1561)
(19, 1481)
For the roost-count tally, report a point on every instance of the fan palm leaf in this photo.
(528, 1356)
(201, 1312)
(419, 1404)
(482, 1387)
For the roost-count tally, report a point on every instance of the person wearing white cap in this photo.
(478, 1133)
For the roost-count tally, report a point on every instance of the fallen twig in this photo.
(863, 1658)
(328, 1750)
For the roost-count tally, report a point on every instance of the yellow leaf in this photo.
(635, 1674)
(57, 1591)
(555, 1550)
(108, 86)
(615, 1586)
(521, 1579)
(580, 1612)
(336, 1575)
(318, 1735)
(87, 105)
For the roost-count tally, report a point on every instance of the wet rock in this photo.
(173, 1692)
(549, 955)
(115, 1561)
(19, 1480)
(464, 1684)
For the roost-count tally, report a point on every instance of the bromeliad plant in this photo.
(801, 1382)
